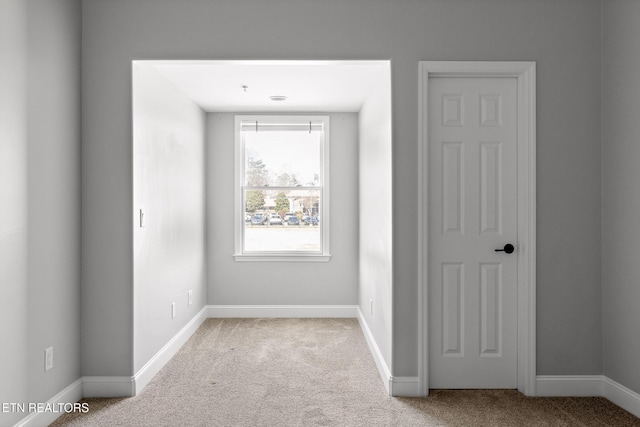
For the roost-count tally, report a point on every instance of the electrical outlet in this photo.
(371, 306)
(48, 359)
(190, 297)
(173, 310)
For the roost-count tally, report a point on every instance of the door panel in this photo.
(452, 188)
(472, 211)
(452, 305)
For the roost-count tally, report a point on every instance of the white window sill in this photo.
(282, 258)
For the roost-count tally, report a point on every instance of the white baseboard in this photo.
(282, 311)
(383, 369)
(589, 385)
(405, 387)
(130, 386)
(569, 385)
(108, 386)
(71, 394)
(153, 366)
(625, 398)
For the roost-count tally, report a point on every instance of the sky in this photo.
(286, 151)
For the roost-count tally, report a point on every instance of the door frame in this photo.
(525, 73)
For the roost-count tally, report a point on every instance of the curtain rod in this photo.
(256, 126)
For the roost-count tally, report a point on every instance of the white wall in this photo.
(562, 36)
(621, 191)
(40, 199)
(375, 222)
(282, 283)
(168, 185)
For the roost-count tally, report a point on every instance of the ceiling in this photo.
(310, 86)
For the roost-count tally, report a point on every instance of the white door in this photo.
(472, 212)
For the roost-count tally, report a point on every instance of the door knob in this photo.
(508, 248)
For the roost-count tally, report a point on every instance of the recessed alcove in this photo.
(183, 177)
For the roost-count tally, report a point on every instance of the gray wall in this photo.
(168, 184)
(13, 199)
(53, 193)
(621, 191)
(40, 199)
(107, 200)
(563, 36)
(376, 214)
(282, 283)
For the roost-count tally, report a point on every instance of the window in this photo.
(282, 188)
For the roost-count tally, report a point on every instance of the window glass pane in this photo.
(283, 164)
(282, 220)
(282, 158)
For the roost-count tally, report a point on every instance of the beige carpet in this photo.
(314, 372)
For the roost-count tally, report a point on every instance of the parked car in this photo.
(288, 215)
(274, 219)
(309, 220)
(293, 220)
(259, 219)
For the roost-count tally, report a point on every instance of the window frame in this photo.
(324, 254)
